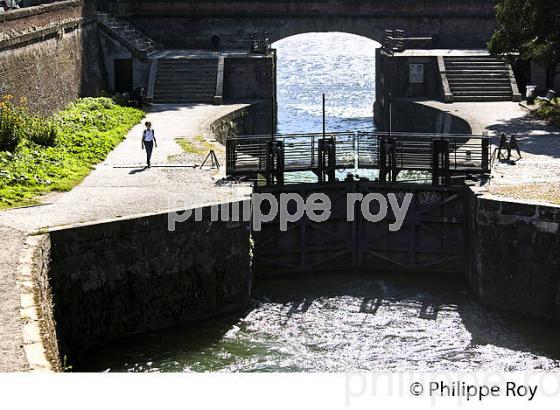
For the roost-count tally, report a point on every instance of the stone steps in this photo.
(489, 88)
(483, 92)
(186, 81)
(478, 78)
(481, 98)
(129, 34)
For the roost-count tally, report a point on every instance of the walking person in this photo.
(148, 141)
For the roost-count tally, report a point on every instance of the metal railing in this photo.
(324, 153)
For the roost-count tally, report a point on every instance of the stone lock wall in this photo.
(254, 119)
(515, 256)
(119, 278)
(250, 78)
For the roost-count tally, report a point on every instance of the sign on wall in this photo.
(416, 73)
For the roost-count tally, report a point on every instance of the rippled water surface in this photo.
(341, 66)
(346, 321)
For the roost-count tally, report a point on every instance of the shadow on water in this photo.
(431, 295)
(166, 347)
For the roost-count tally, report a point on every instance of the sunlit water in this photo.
(339, 65)
(347, 321)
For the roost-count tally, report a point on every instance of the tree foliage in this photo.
(530, 28)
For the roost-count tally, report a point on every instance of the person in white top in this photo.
(148, 141)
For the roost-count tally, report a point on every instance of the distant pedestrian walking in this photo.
(148, 141)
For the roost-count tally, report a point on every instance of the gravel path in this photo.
(12, 356)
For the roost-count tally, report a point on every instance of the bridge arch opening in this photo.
(338, 64)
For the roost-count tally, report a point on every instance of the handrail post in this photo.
(382, 159)
(485, 152)
(321, 161)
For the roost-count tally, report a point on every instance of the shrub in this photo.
(40, 131)
(16, 123)
(549, 112)
(9, 125)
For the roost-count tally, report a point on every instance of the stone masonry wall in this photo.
(249, 78)
(52, 57)
(191, 23)
(24, 19)
(515, 256)
(123, 277)
(253, 119)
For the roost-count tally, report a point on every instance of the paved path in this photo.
(537, 175)
(119, 186)
(12, 356)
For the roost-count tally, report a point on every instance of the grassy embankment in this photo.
(40, 155)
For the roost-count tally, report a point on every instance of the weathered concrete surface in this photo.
(514, 261)
(538, 173)
(191, 23)
(12, 355)
(122, 186)
(119, 278)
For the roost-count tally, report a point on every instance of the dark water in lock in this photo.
(347, 321)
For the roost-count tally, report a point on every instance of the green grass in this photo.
(549, 112)
(85, 132)
(197, 145)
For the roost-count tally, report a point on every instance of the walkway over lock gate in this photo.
(443, 155)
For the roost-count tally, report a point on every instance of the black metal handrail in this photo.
(388, 152)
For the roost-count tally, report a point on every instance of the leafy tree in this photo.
(530, 28)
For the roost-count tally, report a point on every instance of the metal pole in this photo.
(373, 118)
(272, 118)
(390, 115)
(324, 119)
(322, 146)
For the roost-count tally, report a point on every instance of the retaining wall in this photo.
(122, 277)
(50, 55)
(515, 256)
(255, 118)
(413, 116)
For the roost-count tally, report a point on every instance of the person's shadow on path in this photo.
(137, 170)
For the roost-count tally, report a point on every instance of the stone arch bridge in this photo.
(191, 23)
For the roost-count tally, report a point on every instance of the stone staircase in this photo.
(480, 78)
(186, 80)
(123, 31)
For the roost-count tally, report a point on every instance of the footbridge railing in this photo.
(443, 155)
